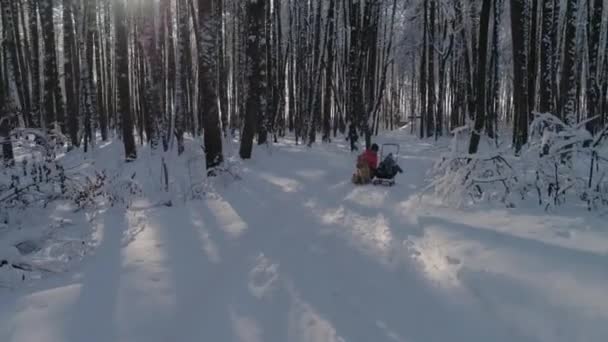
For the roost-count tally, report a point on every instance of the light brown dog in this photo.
(362, 174)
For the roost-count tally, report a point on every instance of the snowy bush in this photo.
(477, 178)
(459, 176)
(33, 182)
(565, 161)
(227, 172)
(38, 177)
(561, 163)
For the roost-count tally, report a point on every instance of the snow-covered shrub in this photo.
(478, 178)
(459, 176)
(38, 177)
(562, 162)
(199, 185)
(568, 162)
(121, 190)
(33, 182)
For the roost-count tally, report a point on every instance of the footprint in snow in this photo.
(262, 277)
(452, 260)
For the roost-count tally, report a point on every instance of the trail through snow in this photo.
(294, 252)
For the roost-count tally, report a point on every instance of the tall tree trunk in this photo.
(604, 92)
(20, 67)
(355, 65)
(594, 29)
(533, 53)
(222, 65)
(100, 77)
(314, 110)
(70, 65)
(329, 71)
(432, 100)
(53, 99)
(256, 69)
(480, 115)
(182, 64)
(14, 97)
(493, 107)
(519, 32)
(546, 59)
(9, 97)
(122, 69)
(35, 62)
(88, 84)
(262, 116)
(568, 81)
(209, 31)
(423, 73)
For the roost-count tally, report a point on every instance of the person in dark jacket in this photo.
(352, 137)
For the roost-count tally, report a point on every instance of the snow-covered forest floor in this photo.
(292, 251)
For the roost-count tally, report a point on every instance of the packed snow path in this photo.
(294, 252)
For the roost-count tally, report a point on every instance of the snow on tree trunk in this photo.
(595, 11)
(546, 62)
(568, 81)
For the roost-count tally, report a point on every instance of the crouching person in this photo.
(367, 164)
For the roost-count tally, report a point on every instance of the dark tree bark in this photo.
(88, 84)
(432, 100)
(222, 65)
(209, 31)
(594, 30)
(35, 62)
(53, 99)
(494, 94)
(182, 63)
(519, 31)
(15, 48)
(568, 80)
(122, 79)
(70, 66)
(423, 73)
(100, 86)
(11, 63)
(604, 92)
(533, 53)
(256, 70)
(480, 84)
(262, 39)
(7, 82)
(546, 59)
(556, 57)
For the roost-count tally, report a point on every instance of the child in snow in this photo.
(388, 168)
(367, 164)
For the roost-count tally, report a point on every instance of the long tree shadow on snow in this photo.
(93, 316)
(529, 310)
(195, 273)
(363, 300)
(563, 256)
(535, 284)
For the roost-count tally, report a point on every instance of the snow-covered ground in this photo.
(294, 252)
